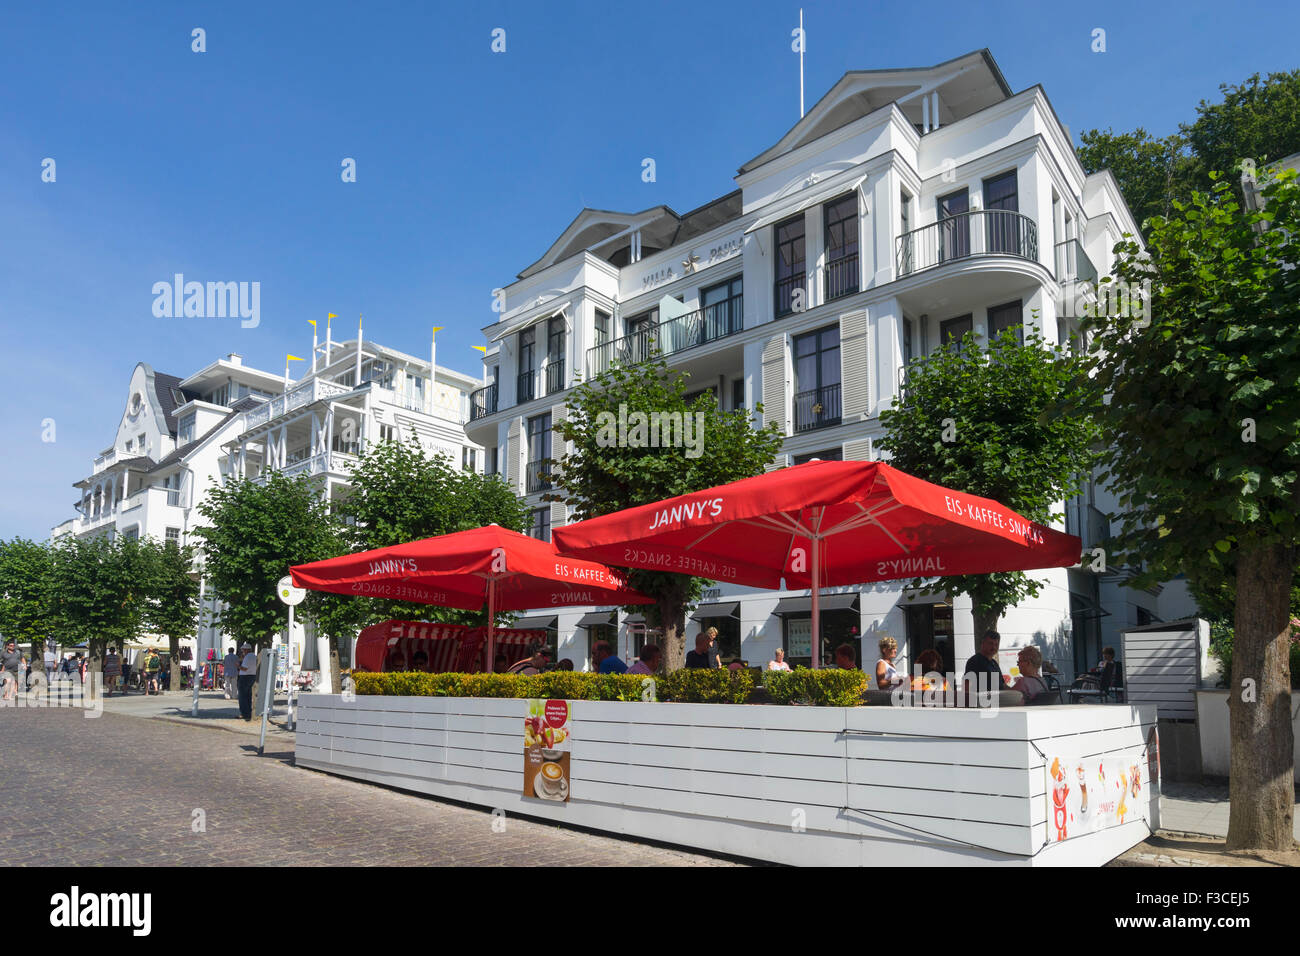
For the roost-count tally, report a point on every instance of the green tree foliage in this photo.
(27, 611)
(1258, 119)
(599, 477)
(254, 532)
(1202, 422)
(101, 592)
(173, 597)
(989, 424)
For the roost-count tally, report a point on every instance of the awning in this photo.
(539, 314)
(634, 619)
(544, 622)
(717, 609)
(809, 196)
(803, 605)
(595, 617)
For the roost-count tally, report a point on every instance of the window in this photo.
(909, 349)
(817, 379)
(723, 308)
(829, 454)
(791, 265)
(1009, 316)
(185, 430)
(602, 327)
(737, 394)
(905, 212)
(388, 433)
(954, 225)
(221, 396)
(555, 343)
(131, 534)
(527, 342)
(469, 459)
(640, 332)
(540, 526)
(690, 397)
(539, 452)
(1002, 221)
(493, 462)
(841, 218)
(174, 534)
(953, 330)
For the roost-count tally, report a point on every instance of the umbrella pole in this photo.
(816, 601)
(491, 604)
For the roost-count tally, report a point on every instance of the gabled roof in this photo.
(965, 84)
(241, 406)
(170, 397)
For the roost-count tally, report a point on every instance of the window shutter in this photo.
(559, 514)
(859, 450)
(853, 366)
(513, 451)
(780, 461)
(774, 383)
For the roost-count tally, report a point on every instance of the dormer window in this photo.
(185, 430)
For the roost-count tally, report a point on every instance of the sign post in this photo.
(291, 596)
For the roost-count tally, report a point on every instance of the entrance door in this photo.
(954, 225)
(930, 626)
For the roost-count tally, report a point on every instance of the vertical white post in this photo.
(925, 114)
(433, 369)
(289, 642)
(198, 652)
(934, 111)
(328, 343)
(313, 348)
(803, 43)
(357, 383)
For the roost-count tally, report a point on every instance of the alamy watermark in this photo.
(213, 300)
(1128, 299)
(64, 693)
(651, 430)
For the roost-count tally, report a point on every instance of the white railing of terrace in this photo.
(298, 396)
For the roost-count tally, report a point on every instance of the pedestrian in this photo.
(230, 674)
(112, 671)
(126, 672)
(152, 668)
(247, 674)
(51, 661)
(11, 663)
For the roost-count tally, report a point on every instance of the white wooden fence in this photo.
(1164, 665)
(799, 785)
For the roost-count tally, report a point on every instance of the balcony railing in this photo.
(704, 325)
(525, 387)
(1073, 264)
(537, 475)
(483, 402)
(817, 408)
(783, 294)
(554, 376)
(842, 277)
(302, 394)
(986, 232)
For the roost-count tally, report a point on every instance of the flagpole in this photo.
(433, 361)
(357, 383)
(313, 345)
(328, 316)
(802, 43)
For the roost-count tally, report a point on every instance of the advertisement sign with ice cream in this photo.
(546, 750)
(1088, 794)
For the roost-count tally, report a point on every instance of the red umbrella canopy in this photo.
(453, 570)
(874, 522)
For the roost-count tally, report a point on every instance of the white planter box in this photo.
(798, 785)
(1212, 722)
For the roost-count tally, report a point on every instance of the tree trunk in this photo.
(672, 612)
(336, 673)
(1262, 790)
(174, 646)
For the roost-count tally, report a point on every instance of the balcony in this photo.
(525, 387)
(1073, 264)
(841, 277)
(670, 336)
(783, 294)
(302, 394)
(986, 232)
(483, 402)
(333, 461)
(555, 376)
(818, 408)
(537, 475)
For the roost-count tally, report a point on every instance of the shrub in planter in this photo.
(821, 688)
(553, 684)
(705, 686)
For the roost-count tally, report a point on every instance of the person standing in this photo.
(230, 674)
(11, 663)
(51, 661)
(247, 674)
(112, 671)
(152, 668)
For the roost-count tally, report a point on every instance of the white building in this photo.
(905, 208)
(179, 437)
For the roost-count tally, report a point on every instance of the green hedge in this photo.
(705, 686)
(821, 688)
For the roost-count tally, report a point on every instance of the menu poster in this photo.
(1088, 794)
(546, 750)
(799, 637)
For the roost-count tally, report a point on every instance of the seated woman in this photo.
(1030, 683)
(929, 662)
(886, 675)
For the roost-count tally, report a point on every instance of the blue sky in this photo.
(225, 165)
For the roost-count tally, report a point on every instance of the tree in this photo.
(604, 473)
(26, 603)
(988, 423)
(1259, 120)
(255, 531)
(173, 598)
(1202, 422)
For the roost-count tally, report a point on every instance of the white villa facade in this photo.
(906, 208)
(179, 437)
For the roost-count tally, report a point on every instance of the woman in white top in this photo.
(778, 661)
(886, 674)
(1030, 683)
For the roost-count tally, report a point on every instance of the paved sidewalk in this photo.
(1200, 808)
(214, 712)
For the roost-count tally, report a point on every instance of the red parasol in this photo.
(869, 522)
(507, 570)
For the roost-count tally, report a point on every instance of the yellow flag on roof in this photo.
(481, 348)
(293, 358)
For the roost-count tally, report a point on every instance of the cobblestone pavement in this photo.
(119, 790)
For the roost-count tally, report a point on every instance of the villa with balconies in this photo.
(907, 208)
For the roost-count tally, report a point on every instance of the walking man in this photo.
(152, 668)
(247, 674)
(11, 663)
(230, 674)
(112, 671)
